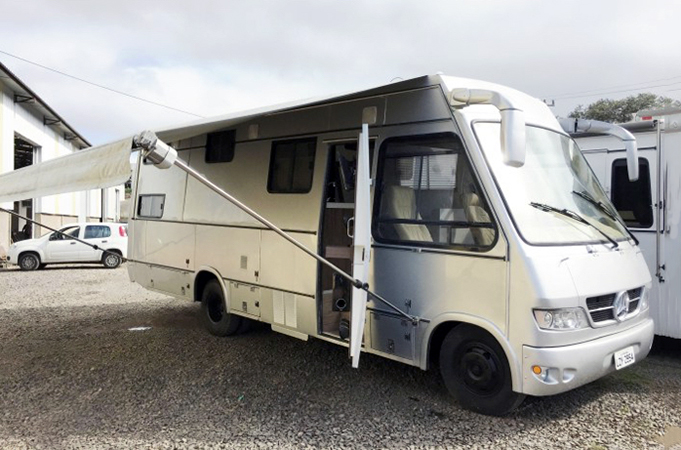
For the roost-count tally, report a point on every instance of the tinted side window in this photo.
(220, 146)
(632, 199)
(97, 231)
(292, 166)
(65, 233)
(151, 206)
(70, 233)
(428, 195)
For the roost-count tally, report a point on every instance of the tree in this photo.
(619, 111)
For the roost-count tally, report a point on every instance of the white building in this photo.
(31, 132)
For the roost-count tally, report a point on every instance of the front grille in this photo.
(600, 316)
(602, 301)
(601, 308)
(635, 293)
(634, 299)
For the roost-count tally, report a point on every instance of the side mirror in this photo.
(512, 120)
(632, 159)
(53, 237)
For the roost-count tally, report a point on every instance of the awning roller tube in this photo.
(161, 154)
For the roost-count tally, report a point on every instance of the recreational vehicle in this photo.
(439, 222)
(651, 205)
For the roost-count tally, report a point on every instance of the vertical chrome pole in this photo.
(660, 205)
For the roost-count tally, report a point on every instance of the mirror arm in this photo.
(512, 120)
(574, 126)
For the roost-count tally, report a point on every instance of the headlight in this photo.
(645, 294)
(561, 319)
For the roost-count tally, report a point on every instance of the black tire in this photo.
(29, 261)
(111, 260)
(475, 370)
(214, 311)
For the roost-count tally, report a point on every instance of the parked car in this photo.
(59, 248)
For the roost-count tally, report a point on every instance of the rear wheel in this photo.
(475, 370)
(29, 261)
(215, 316)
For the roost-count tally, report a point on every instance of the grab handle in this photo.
(350, 225)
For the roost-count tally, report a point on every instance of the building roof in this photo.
(31, 101)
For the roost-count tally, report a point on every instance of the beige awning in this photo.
(95, 168)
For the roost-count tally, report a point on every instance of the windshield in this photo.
(555, 175)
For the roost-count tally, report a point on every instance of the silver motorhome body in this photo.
(439, 265)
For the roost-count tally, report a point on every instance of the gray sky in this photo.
(215, 57)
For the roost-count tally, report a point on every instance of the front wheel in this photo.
(475, 370)
(215, 316)
(29, 261)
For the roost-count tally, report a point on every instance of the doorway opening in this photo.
(24, 156)
(337, 229)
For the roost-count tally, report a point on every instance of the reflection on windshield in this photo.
(555, 173)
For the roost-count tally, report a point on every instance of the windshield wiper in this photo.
(608, 212)
(574, 216)
(596, 203)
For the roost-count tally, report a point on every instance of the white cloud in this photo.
(214, 57)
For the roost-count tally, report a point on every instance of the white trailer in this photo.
(650, 206)
(450, 200)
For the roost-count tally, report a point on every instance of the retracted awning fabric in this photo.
(95, 168)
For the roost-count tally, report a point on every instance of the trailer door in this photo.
(637, 201)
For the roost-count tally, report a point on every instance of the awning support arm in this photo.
(164, 156)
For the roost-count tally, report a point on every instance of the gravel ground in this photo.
(73, 375)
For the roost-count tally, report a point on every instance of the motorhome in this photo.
(432, 221)
(651, 205)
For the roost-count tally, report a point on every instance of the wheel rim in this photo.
(216, 309)
(111, 260)
(30, 262)
(480, 369)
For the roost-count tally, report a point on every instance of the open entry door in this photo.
(361, 245)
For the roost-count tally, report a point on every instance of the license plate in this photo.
(624, 358)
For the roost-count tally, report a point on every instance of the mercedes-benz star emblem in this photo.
(621, 306)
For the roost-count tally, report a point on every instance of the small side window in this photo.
(632, 199)
(151, 206)
(292, 166)
(220, 146)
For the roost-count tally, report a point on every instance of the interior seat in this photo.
(400, 203)
(476, 213)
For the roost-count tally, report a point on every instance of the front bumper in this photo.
(575, 365)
